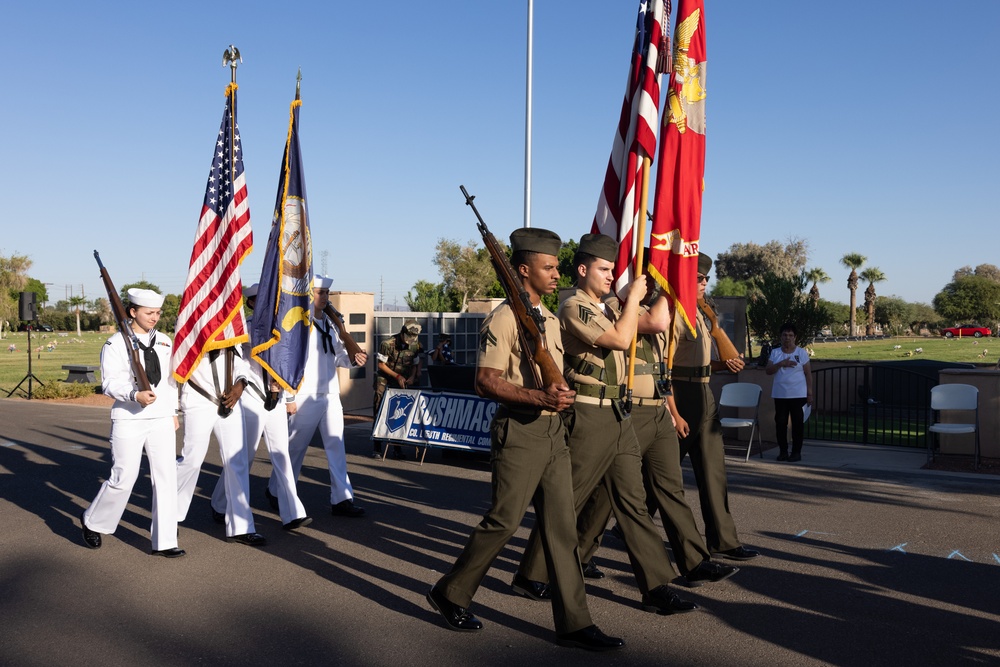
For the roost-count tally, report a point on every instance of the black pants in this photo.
(783, 409)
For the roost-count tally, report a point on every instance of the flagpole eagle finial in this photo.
(231, 57)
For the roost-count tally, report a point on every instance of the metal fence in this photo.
(871, 404)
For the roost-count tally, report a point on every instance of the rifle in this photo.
(338, 321)
(230, 362)
(121, 318)
(530, 323)
(727, 350)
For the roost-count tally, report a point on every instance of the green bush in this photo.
(64, 390)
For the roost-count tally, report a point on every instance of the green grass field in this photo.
(67, 348)
(46, 363)
(984, 351)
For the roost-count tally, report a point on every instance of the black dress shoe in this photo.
(616, 531)
(218, 517)
(347, 508)
(665, 603)
(91, 538)
(794, 458)
(272, 499)
(168, 553)
(783, 456)
(294, 524)
(739, 553)
(534, 590)
(590, 571)
(457, 618)
(249, 539)
(590, 638)
(708, 572)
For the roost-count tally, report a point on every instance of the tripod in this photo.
(30, 376)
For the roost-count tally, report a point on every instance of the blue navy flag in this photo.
(279, 330)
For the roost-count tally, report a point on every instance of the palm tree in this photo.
(853, 261)
(873, 275)
(77, 302)
(815, 276)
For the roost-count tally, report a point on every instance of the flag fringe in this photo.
(678, 307)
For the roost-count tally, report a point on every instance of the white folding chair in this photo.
(743, 395)
(954, 397)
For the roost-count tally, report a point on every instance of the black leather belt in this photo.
(685, 372)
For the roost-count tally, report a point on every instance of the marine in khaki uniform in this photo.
(700, 429)
(602, 442)
(653, 416)
(530, 461)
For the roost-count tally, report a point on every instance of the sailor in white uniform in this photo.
(139, 420)
(203, 398)
(272, 423)
(317, 405)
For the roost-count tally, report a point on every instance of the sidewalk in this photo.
(856, 457)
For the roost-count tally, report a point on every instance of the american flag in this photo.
(618, 206)
(280, 327)
(211, 309)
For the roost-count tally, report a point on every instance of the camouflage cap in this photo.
(534, 239)
(599, 245)
(411, 329)
(704, 263)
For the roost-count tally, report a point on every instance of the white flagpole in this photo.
(527, 118)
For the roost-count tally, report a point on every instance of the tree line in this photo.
(775, 279)
(76, 313)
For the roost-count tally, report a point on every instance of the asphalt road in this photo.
(862, 566)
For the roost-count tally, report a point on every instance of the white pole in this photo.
(527, 118)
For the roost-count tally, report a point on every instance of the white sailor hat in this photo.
(322, 282)
(251, 292)
(146, 298)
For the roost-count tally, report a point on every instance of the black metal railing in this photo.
(871, 404)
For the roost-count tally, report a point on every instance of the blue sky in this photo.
(865, 128)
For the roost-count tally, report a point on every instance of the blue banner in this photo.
(435, 419)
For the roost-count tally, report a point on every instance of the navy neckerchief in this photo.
(151, 362)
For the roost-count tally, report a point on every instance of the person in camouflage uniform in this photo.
(398, 366)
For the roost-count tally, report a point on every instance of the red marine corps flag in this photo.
(680, 174)
(618, 208)
(211, 308)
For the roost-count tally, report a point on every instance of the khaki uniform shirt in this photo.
(500, 346)
(695, 350)
(583, 321)
(650, 349)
